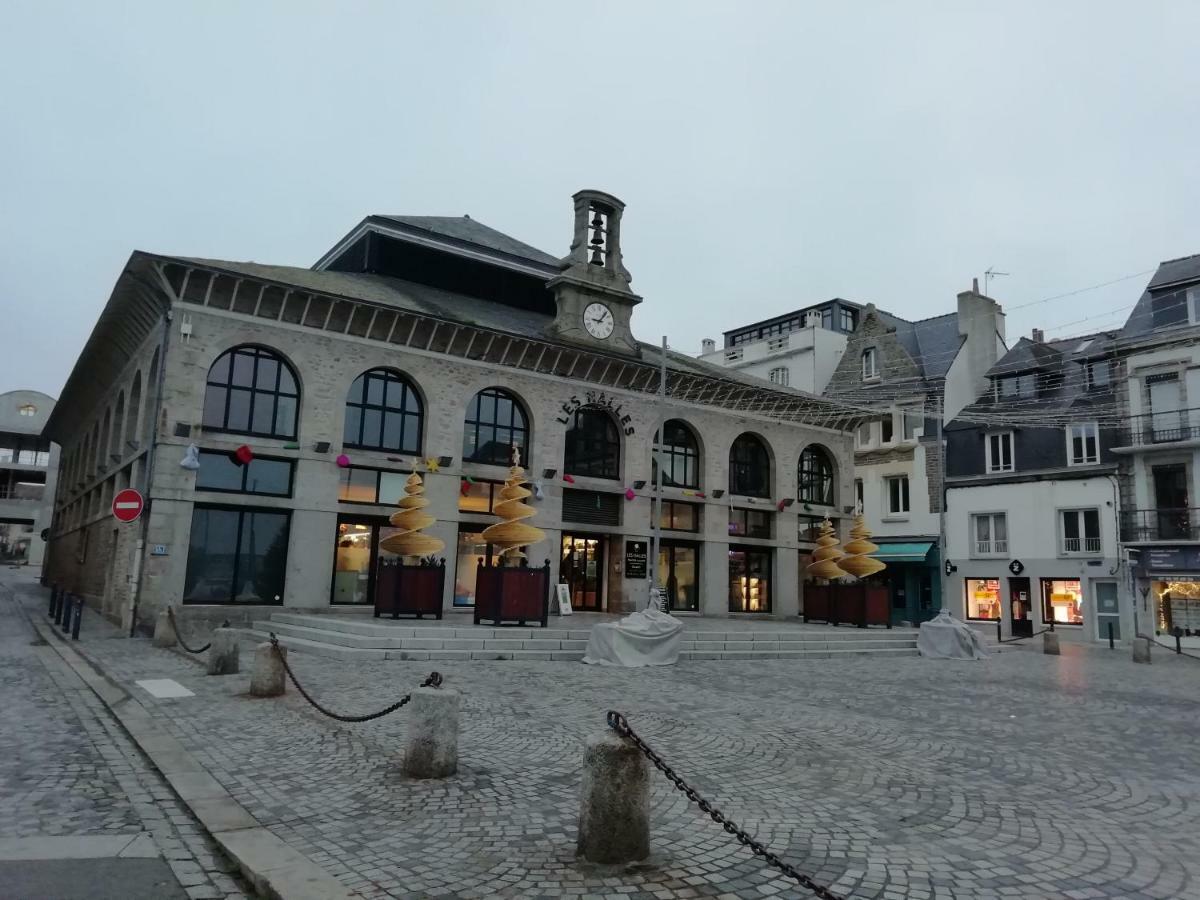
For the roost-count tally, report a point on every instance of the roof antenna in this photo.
(988, 276)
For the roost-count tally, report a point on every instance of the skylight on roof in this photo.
(1083, 346)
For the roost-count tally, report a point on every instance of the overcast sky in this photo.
(772, 155)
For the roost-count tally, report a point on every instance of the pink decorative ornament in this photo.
(343, 461)
(629, 494)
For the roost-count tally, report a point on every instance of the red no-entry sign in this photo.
(127, 505)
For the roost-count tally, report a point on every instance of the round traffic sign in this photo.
(127, 505)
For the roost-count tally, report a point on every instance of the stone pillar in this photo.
(1050, 644)
(223, 655)
(432, 750)
(164, 630)
(1141, 650)
(614, 812)
(268, 679)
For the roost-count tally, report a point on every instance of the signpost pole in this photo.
(656, 505)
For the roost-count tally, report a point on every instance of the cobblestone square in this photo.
(1021, 776)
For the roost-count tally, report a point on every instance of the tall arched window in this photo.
(135, 408)
(102, 462)
(680, 454)
(749, 467)
(118, 426)
(593, 445)
(495, 423)
(252, 390)
(384, 412)
(816, 477)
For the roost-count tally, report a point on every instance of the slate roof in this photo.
(1171, 275)
(1063, 361)
(465, 230)
(932, 343)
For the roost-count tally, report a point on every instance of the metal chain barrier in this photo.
(621, 726)
(179, 633)
(1023, 637)
(1179, 652)
(434, 680)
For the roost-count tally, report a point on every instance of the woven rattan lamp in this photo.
(512, 534)
(858, 561)
(827, 554)
(411, 518)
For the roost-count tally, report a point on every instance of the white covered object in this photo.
(945, 637)
(645, 638)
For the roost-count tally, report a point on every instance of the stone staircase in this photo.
(355, 637)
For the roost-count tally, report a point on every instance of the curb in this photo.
(275, 869)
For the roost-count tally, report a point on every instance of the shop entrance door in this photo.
(582, 569)
(1018, 602)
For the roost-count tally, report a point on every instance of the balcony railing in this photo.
(1161, 428)
(1081, 545)
(1160, 525)
(991, 548)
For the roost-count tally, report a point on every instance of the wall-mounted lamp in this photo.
(787, 501)
(549, 473)
(951, 568)
(639, 484)
(321, 447)
(718, 493)
(445, 461)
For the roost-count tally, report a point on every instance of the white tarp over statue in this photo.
(645, 638)
(945, 637)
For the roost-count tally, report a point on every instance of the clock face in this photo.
(598, 320)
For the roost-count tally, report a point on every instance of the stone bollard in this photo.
(1141, 650)
(1050, 644)
(432, 733)
(614, 813)
(268, 679)
(223, 655)
(164, 630)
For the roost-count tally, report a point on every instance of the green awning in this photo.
(909, 552)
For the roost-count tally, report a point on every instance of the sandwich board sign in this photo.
(563, 592)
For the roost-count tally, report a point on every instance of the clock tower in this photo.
(592, 290)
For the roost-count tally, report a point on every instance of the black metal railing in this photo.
(1160, 524)
(1160, 428)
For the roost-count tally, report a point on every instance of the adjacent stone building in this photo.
(434, 344)
(28, 466)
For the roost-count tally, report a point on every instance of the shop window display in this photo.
(983, 598)
(1062, 601)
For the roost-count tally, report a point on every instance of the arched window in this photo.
(115, 448)
(135, 408)
(102, 447)
(383, 412)
(680, 454)
(150, 404)
(749, 467)
(816, 477)
(495, 422)
(252, 390)
(593, 445)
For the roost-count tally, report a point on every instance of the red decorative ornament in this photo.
(343, 461)
(464, 488)
(780, 505)
(568, 479)
(629, 494)
(242, 455)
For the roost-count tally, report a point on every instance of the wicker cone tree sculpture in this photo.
(827, 554)
(411, 518)
(858, 561)
(512, 534)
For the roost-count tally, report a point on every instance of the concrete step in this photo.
(343, 639)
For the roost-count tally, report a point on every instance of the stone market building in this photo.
(435, 344)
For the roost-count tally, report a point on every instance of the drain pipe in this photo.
(139, 557)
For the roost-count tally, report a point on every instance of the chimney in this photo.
(1039, 336)
(974, 285)
(708, 345)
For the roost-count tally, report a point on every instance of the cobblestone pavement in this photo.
(1023, 776)
(68, 769)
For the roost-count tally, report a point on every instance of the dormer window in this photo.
(27, 409)
(1098, 375)
(1015, 386)
(870, 363)
(1169, 309)
(1000, 452)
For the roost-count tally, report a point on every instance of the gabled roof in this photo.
(469, 231)
(1170, 276)
(1026, 355)
(932, 343)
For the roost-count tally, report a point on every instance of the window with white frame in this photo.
(1083, 444)
(1000, 452)
(858, 496)
(779, 375)
(870, 364)
(911, 422)
(1080, 531)
(897, 495)
(990, 534)
(862, 435)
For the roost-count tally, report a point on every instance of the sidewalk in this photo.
(1021, 776)
(82, 814)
